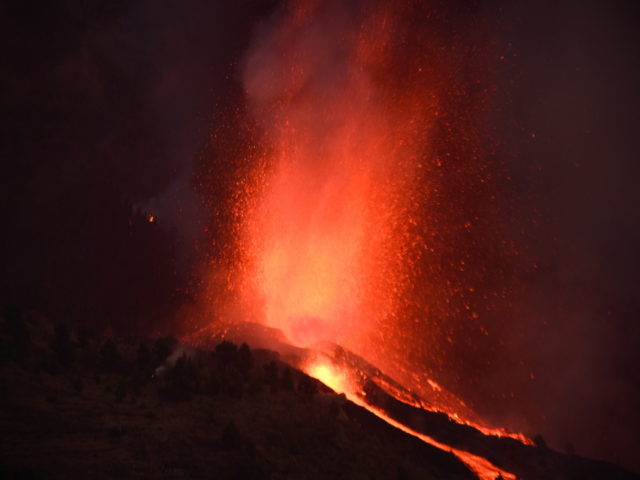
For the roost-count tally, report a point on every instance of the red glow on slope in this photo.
(337, 379)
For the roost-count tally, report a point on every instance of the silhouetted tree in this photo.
(143, 357)
(245, 359)
(287, 379)
(163, 347)
(182, 380)
(62, 346)
(137, 383)
(213, 383)
(255, 383)
(334, 409)
(249, 464)
(110, 357)
(539, 441)
(308, 385)
(225, 353)
(121, 390)
(85, 335)
(230, 438)
(78, 385)
(271, 376)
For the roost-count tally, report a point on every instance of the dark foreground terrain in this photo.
(77, 405)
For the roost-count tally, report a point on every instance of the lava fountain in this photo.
(346, 133)
(352, 223)
(360, 176)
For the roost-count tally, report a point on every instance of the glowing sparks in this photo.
(341, 230)
(327, 242)
(434, 385)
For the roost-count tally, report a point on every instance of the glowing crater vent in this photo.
(329, 375)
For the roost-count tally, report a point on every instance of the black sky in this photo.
(570, 110)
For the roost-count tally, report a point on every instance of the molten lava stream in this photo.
(339, 382)
(445, 402)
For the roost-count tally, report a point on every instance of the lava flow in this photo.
(363, 156)
(344, 381)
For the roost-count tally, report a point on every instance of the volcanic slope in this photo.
(75, 405)
(490, 453)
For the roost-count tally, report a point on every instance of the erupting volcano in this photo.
(320, 239)
(365, 209)
(340, 203)
(365, 191)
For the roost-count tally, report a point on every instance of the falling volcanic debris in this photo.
(329, 237)
(364, 209)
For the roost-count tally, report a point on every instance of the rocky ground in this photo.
(77, 405)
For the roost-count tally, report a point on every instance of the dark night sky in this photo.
(105, 105)
(575, 136)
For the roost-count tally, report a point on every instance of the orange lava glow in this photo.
(329, 236)
(329, 375)
(484, 469)
(336, 379)
(346, 226)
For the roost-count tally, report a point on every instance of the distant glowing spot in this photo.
(151, 218)
(434, 385)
